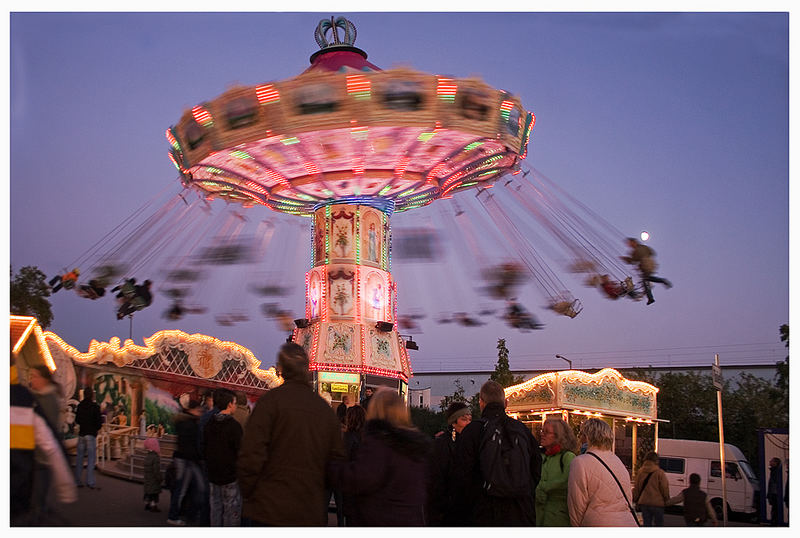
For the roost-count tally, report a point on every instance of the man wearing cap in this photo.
(443, 510)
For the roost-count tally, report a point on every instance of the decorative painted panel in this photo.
(372, 237)
(341, 344)
(342, 291)
(382, 350)
(343, 233)
(375, 296)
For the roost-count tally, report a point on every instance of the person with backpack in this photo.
(498, 465)
(696, 507)
(651, 491)
(560, 447)
(599, 486)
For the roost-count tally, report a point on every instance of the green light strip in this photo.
(290, 141)
(327, 233)
(407, 192)
(358, 236)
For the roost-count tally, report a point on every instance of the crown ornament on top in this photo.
(333, 26)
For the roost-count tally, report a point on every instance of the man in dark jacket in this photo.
(89, 420)
(222, 439)
(490, 510)
(774, 492)
(290, 436)
(442, 507)
(189, 477)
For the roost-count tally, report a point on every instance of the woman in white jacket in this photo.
(594, 498)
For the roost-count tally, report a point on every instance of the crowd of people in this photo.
(293, 454)
(282, 463)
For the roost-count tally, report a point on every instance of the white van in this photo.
(681, 457)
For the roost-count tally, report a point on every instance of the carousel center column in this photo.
(349, 330)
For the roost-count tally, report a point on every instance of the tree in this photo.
(502, 372)
(756, 403)
(457, 396)
(689, 402)
(782, 377)
(460, 396)
(28, 295)
(427, 420)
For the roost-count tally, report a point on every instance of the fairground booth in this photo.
(629, 407)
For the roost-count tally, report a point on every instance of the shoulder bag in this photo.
(644, 486)
(633, 513)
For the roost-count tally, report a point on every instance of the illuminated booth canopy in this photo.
(628, 406)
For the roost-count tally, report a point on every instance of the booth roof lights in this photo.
(577, 376)
(33, 327)
(202, 116)
(213, 170)
(386, 189)
(290, 141)
(172, 158)
(102, 352)
(267, 94)
(446, 90)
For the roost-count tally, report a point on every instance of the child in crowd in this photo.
(152, 474)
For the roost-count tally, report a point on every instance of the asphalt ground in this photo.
(118, 503)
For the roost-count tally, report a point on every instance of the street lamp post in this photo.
(566, 359)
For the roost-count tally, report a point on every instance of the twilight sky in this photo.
(672, 123)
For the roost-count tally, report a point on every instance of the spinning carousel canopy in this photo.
(346, 130)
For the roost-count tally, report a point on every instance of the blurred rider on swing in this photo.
(644, 257)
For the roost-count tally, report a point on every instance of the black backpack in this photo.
(505, 459)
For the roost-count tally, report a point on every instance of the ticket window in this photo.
(337, 385)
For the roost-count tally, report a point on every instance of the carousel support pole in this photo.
(634, 439)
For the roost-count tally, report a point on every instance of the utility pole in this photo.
(716, 377)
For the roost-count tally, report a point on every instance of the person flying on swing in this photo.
(644, 257)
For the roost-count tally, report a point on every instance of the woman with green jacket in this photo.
(560, 445)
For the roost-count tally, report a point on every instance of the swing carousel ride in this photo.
(348, 146)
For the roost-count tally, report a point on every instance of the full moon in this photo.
(645, 236)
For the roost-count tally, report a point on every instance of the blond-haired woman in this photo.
(599, 487)
(388, 478)
(560, 445)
